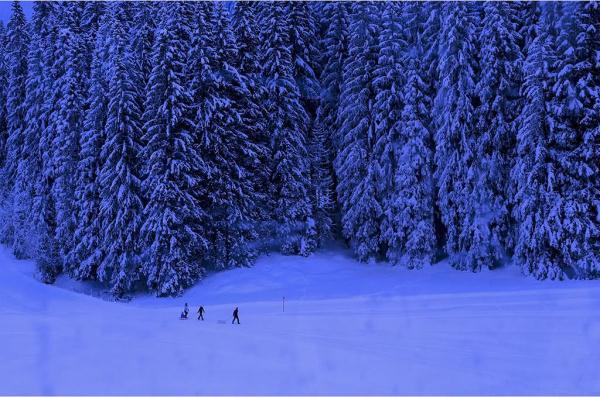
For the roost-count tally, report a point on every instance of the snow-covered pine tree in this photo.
(429, 15)
(409, 236)
(13, 196)
(334, 51)
(87, 249)
(413, 178)
(537, 246)
(588, 39)
(247, 31)
(36, 119)
(91, 18)
(487, 226)
(49, 261)
(288, 125)
(227, 190)
(334, 47)
(202, 52)
(17, 42)
(525, 15)
(455, 122)
(431, 25)
(320, 228)
(5, 219)
(142, 40)
(3, 89)
(201, 67)
(388, 81)
(303, 34)
(121, 202)
(304, 52)
(66, 121)
(354, 163)
(262, 11)
(575, 140)
(174, 243)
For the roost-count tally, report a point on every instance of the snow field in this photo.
(348, 328)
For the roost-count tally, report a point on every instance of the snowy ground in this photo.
(348, 328)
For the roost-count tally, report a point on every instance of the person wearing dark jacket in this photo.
(201, 313)
(235, 316)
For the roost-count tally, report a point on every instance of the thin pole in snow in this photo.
(283, 304)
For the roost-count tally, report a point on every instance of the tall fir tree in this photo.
(91, 18)
(575, 139)
(66, 122)
(288, 125)
(227, 153)
(48, 257)
(142, 41)
(429, 17)
(536, 249)
(525, 16)
(355, 164)
(121, 203)
(174, 241)
(320, 228)
(246, 30)
(17, 42)
(37, 88)
(487, 226)
(245, 27)
(388, 80)
(304, 52)
(15, 193)
(3, 89)
(87, 249)
(414, 245)
(454, 122)
(403, 148)
(334, 51)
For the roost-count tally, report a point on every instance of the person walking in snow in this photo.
(201, 313)
(235, 316)
(186, 311)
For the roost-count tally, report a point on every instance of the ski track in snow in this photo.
(348, 328)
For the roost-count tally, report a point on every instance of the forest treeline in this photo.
(143, 144)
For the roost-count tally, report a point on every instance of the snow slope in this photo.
(348, 328)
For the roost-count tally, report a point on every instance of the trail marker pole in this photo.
(283, 304)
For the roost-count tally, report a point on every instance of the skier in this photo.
(235, 316)
(201, 313)
(184, 314)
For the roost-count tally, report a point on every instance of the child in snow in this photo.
(185, 312)
(235, 316)
(201, 313)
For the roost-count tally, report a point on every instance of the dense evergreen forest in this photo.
(145, 144)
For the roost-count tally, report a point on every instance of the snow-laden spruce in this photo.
(87, 248)
(15, 192)
(226, 191)
(354, 163)
(487, 224)
(287, 128)
(172, 228)
(121, 202)
(454, 114)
